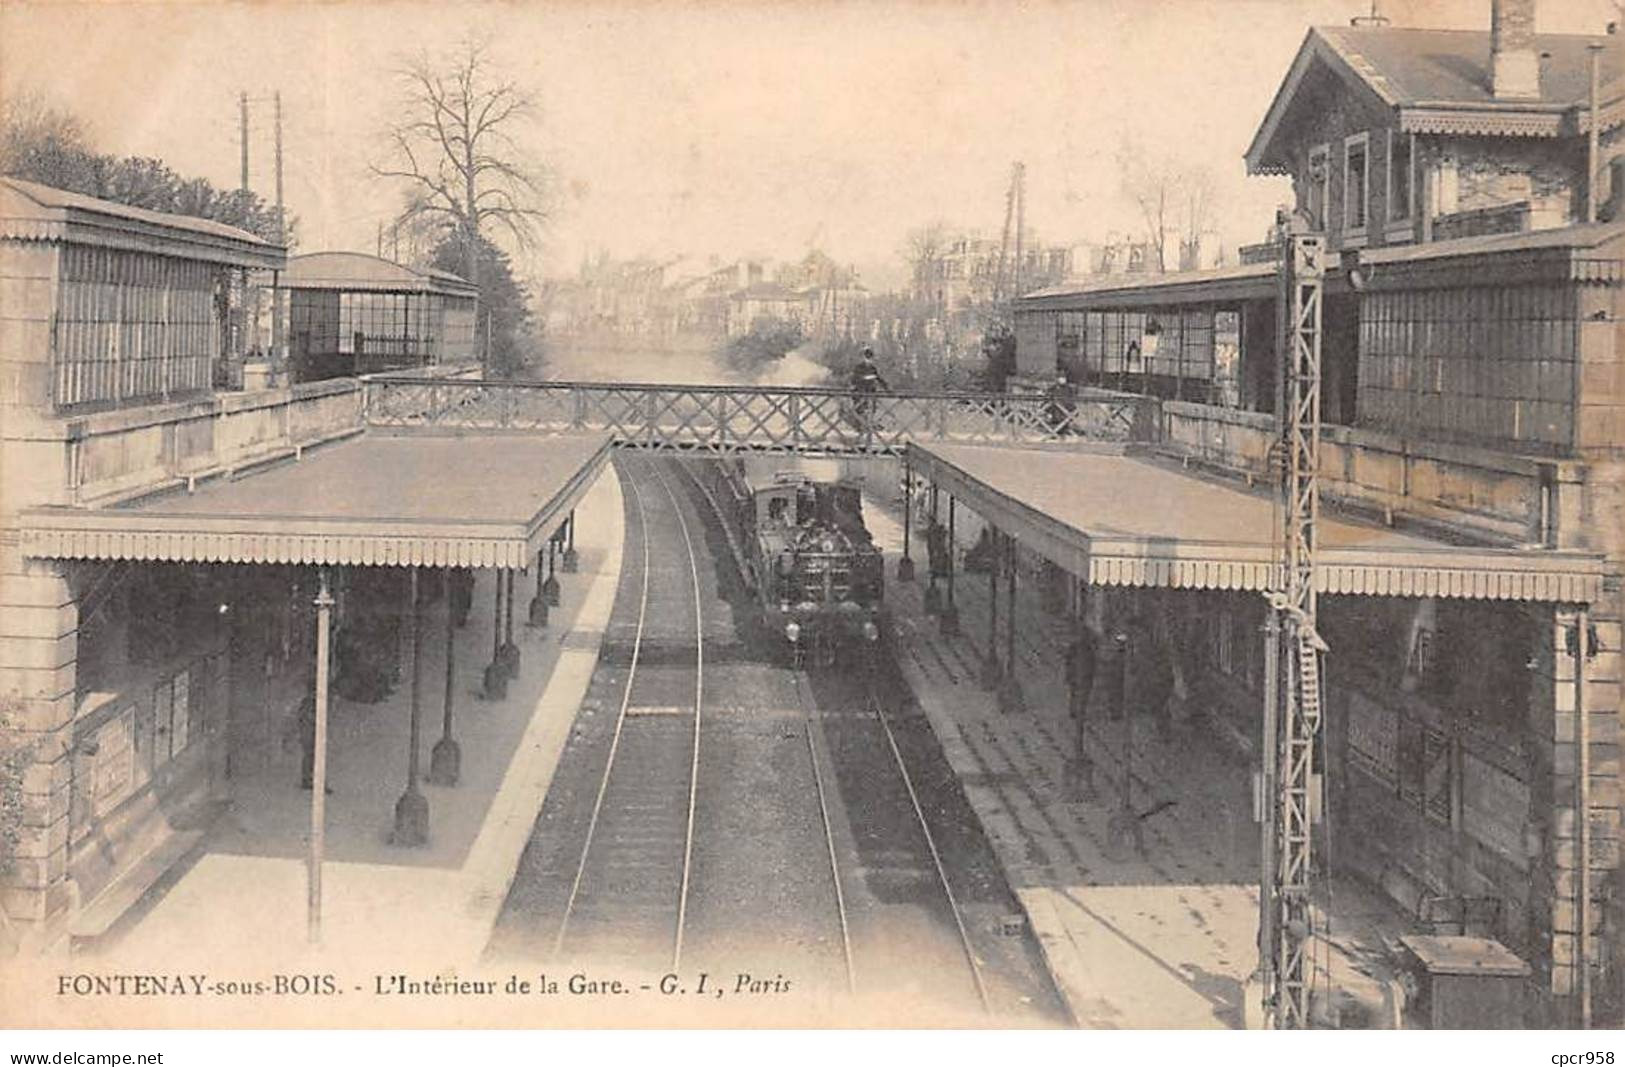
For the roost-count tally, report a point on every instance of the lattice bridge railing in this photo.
(727, 419)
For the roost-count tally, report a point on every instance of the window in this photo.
(1316, 185)
(133, 327)
(1399, 175)
(1069, 331)
(1356, 188)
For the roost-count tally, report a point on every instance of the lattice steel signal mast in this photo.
(1292, 682)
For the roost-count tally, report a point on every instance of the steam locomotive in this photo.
(809, 558)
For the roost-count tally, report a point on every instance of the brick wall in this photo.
(38, 647)
(28, 272)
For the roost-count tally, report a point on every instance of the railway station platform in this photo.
(239, 900)
(1158, 939)
(1160, 931)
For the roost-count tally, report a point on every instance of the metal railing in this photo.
(729, 418)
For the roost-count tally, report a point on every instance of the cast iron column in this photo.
(571, 560)
(1123, 829)
(948, 621)
(905, 566)
(496, 676)
(446, 759)
(412, 809)
(933, 595)
(550, 588)
(509, 653)
(1011, 698)
(538, 603)
(991, 672)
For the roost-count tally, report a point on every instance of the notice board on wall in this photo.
(1494, 808)
(1373, 738)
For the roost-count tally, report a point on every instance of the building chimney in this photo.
(1514, 62)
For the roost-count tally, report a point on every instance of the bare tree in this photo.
(1197, 192)
(923, 249)
(1148, 183)
(1175, 200)
(40, 139)
(455, 151)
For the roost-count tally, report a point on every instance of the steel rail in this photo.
(699, 701)
(931, 843)
(620, 723)
(829, 836)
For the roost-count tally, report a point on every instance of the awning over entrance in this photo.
(488, 500)
(1117, 519)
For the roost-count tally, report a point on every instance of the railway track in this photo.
(716, 813)
(629, 897)
(812, 733)
(900, 856)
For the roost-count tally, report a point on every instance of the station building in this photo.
(351, 314)
(1474, 395)
(162, 540)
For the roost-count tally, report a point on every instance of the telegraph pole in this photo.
(280, 228)
(239, 343)
(242, 134)
(1019, 180)
(1591, 136)
(281, 239)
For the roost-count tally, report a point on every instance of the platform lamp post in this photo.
(496, 675)
(538, 602)
(508, 653)
(412, 809)
(446, 758)
(991, 671)
(318, 774)
(571, 562)
(905, 566)
(948, 620)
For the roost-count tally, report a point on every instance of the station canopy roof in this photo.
(408, 499)
(1248, 281)
(360, 272)
(30, 211)
(1123, 520)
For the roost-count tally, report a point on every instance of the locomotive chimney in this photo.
(1514, 62)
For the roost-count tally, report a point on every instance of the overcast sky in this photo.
(713, 128)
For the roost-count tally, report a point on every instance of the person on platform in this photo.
(1153, 686)
(307, 742)
(461, 595)
(936, 549)
(1061, 404)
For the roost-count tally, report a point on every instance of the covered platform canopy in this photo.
(359, 272)
(1249, 281)
(1114, 518)
(410, 499)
